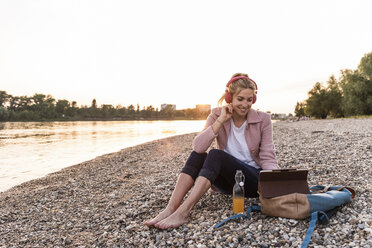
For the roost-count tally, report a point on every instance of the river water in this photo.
(30, 150)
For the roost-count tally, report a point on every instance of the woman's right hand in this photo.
(226, 113)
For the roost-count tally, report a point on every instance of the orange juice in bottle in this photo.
(238, 192)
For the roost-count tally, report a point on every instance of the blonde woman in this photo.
(244, 142)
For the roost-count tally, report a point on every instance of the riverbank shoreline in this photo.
(109, 119)
(104, 201)
(49, 147)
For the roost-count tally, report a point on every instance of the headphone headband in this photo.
(239, 77)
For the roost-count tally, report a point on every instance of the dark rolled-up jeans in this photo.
(219, 168)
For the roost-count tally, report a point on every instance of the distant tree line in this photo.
(42, 107)
(350, 95)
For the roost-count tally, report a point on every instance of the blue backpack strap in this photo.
(230, 218)
(315, 216)
(248, 215)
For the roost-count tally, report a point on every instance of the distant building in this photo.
(163, 106)
(203, 107)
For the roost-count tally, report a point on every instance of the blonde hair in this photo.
(238, 85)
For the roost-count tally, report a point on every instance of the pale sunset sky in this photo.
(150, 52)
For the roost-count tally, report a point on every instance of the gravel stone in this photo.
(103, 202)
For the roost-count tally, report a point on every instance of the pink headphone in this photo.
(228, 96)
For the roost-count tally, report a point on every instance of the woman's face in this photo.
(242, 102)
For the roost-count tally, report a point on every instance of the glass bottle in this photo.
(238, 192)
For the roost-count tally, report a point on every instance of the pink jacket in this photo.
(258, 135)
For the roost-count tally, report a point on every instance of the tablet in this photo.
(273, 183)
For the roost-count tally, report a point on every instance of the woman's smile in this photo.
(243, 110)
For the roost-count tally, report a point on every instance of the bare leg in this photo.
(183, 185)
(181, 215)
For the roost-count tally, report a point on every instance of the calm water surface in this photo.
(30, 150)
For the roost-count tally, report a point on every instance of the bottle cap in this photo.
(241, 184)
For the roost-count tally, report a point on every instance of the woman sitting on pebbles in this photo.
(244, 141)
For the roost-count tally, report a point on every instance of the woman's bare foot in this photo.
(161, 216)
(174, 220)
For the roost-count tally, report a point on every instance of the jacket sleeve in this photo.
(267, 153)
(204, 139)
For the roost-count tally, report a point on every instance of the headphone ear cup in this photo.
(254, 99)
(228, 97)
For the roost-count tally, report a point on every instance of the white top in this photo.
(237, 145)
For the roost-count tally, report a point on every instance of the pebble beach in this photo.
(104, 202)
